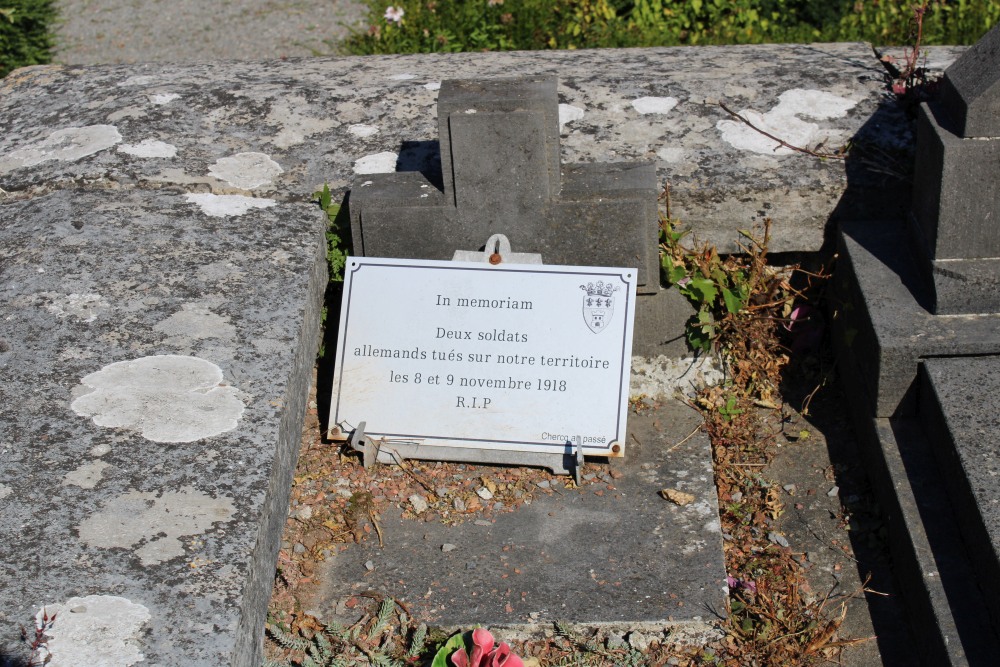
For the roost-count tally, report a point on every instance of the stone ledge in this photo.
(306, 122)
(122, 312)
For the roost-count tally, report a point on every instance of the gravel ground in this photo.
(129, 31)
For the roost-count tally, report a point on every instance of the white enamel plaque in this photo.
(458, 354)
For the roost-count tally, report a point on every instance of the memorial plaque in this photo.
(516, 357)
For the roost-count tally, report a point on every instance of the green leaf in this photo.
(700, 330)
(455, 642)
(729, 410)
(672, 271)
(324, 197)
(703, 289)
(733, 303)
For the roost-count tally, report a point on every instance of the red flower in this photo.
(484, 654)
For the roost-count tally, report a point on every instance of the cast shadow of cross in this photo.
(423, 157)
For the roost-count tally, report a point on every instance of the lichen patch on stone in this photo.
(162, 98)
(784, 121)
(138, 80)
(196, 321)
(658, 105)
(96, 630)
(156, 521)
(246, 170)
(68, 145)
(86, 476)
(5, 491)
(81, 307)
(295, 126)
(149, 148)
(379, 163)
(362, 130)
(164, 398)
(221, 206)
(568, 113)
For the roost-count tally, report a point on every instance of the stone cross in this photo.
(956, 200)
(501, 173)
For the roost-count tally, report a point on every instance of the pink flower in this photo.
(394, 14)
(484, 654)
(736, 584)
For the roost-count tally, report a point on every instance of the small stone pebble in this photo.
(458, 504)
(370, 565)
(790, 488)
(833, 492)
(778, 538)
(483, 522)
(442, 491)
(418, 502)
(484, 493)
(299, 548)
(470, 566)
(448, 547)
(615, 642)
(737, 497)
(638, 641)
(543, 485)
(497, 506)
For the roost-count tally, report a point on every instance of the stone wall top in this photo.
(281, 129)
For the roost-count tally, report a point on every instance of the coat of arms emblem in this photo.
(598, 304)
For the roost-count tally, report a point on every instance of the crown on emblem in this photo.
(600, 289)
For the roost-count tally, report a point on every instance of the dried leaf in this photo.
(677, 497)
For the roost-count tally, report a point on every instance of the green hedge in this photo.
(473, 25)
(25, 35)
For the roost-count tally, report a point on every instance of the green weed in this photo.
(25, 34)
(429, 26)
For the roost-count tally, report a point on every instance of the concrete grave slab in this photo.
(156, 361)
(568, 556)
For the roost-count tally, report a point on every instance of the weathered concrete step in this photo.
(960, 412)
(884, 326)
(879, 324)
(938, 582)
(155, 355)
(596, 557)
